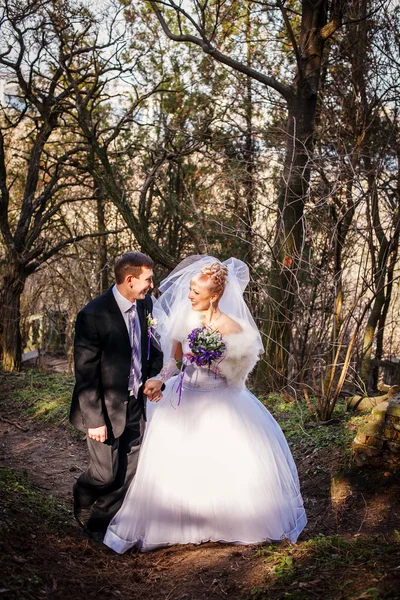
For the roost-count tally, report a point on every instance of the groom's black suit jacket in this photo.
(102, 354)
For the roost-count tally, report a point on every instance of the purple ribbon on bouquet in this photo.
(181, 376)
(180, 386)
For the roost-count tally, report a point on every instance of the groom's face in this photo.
(139, 286)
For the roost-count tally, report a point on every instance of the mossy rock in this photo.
(379, 411)
(374, 429)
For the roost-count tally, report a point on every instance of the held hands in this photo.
(152, 389)
(99, 434)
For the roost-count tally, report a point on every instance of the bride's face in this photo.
(201, 293)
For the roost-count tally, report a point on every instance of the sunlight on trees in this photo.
(267, 131)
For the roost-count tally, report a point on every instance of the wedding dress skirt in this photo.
(216, 467)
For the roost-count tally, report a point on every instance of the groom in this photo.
(108, 404)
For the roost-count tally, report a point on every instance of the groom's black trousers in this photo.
(112, 467)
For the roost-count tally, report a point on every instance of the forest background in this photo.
(265, 130)
(268, 131)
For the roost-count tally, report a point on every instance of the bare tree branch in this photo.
(204, 43)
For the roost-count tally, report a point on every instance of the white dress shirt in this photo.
(124, 306)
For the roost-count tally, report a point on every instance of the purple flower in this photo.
(207, 346)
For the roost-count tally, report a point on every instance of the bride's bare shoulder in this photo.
(228, 326)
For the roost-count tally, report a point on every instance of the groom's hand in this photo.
(152, 389)
(99, 434)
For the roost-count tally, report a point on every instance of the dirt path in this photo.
(53, 462)
(57, 562)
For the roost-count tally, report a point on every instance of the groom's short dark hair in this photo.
(131, 263)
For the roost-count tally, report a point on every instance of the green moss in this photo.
(322, 564)
(304, 434)
(45, 398)
(28, 520)
(17, 492)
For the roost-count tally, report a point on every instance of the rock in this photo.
(377, 443)
(379, 412)
(356, 443)
(392, 434)
(394, 407)
(374, 429)
(359, 459)
(394, 447)
(361, 437)
(372, 451)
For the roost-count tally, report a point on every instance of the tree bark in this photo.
(287, 248)
(293, 190)
(102, 243)
(10, 317)
(249, 150)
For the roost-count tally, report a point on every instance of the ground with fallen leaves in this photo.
(350, 548)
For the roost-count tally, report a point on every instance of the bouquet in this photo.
(207, 349)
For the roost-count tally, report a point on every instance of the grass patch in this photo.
(17, 492)
(42, 397)
(304, 435)
(330, 567)
(27, 517)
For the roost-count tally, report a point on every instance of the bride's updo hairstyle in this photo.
(218, 274)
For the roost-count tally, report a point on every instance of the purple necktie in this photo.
(135, 376)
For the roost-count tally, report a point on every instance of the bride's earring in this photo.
(212, 306)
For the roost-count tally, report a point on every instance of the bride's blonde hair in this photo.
(218, 274)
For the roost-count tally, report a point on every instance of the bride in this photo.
(214, 464)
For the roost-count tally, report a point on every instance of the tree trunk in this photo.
(383, 313)
(341, 225)
(249, 150)
(382, 322)
(369, 334)
(289, 234)
(10, 317)
(287, 249)
(383, 267)
(389, 286)
(102, 243)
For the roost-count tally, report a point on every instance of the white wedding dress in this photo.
(216, 467)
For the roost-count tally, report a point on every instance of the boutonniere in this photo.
(151, 325)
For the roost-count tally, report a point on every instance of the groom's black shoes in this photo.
(96, 528)
(94, 535)
(82, 507)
